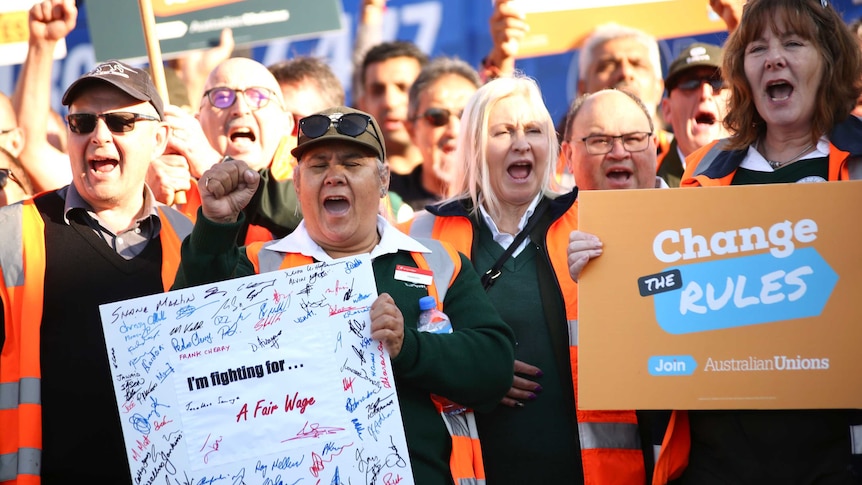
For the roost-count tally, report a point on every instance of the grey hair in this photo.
(612, 31)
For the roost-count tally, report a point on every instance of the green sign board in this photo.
(117, 32)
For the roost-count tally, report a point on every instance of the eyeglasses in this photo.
(224, 97)
(632, 142)
(437, 116)
(6, 175)
(695, 83)
(118, 121)
(350, 124)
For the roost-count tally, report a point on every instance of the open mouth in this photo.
(779, 90)
(619, 175)
(243, 134)
(336, 205)
(103, 165)
(704, 118)
(520, 171)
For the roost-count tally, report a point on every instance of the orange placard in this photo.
(167, 8)
(742, 297)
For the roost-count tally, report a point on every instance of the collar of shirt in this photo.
(755, 161)
(681, 156)
(391, 241)
(505, 239)
(73, 200)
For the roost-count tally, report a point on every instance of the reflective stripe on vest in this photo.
(856, 439)
(573, 332)
(609, 435)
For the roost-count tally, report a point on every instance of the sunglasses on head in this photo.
(695, 83)
(350, 124)
(224, 97)
(118, 121)
(438, 116)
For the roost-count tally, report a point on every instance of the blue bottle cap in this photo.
(427, 303)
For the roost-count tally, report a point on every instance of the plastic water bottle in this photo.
(435, 321)
(430, 318)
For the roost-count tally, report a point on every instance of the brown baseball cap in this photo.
(135, 82)
(699, 54)
(340, 123)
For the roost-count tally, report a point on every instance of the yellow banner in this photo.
(558, 26)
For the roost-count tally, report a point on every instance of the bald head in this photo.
(252, 126)
(242, 70)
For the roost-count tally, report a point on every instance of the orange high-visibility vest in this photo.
(465, 462)
(22, 269)
(609, 440)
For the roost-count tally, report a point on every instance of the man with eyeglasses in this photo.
(695, 105)
(436, 100)
(101, 239)
(340, 178)
(609, 142)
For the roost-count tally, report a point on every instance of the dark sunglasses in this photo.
(5, 176)
(350, 124)
(695, 83)
(224, 97)
(438, 116)
(118, 122)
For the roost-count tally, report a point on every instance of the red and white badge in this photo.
(414, 275)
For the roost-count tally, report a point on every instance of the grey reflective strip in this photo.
(856, 439)
(27, 390)
(181, 224)
(456, 423)
(269, 260)
(708, 158)
(854, 166)
(609, 435)
(441, 264)
(423, 224)
(11, 245)
(463, 424)
(25, 462)
(656, 451)
(573, 333)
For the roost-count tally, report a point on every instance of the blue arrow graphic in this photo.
(743, 291)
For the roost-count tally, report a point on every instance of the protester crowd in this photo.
(267, 168)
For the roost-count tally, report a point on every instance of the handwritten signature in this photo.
(313, 431)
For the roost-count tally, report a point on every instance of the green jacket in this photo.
(472, 366)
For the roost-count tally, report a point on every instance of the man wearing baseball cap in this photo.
(101, 239)
(340, 178)
(695, 105)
